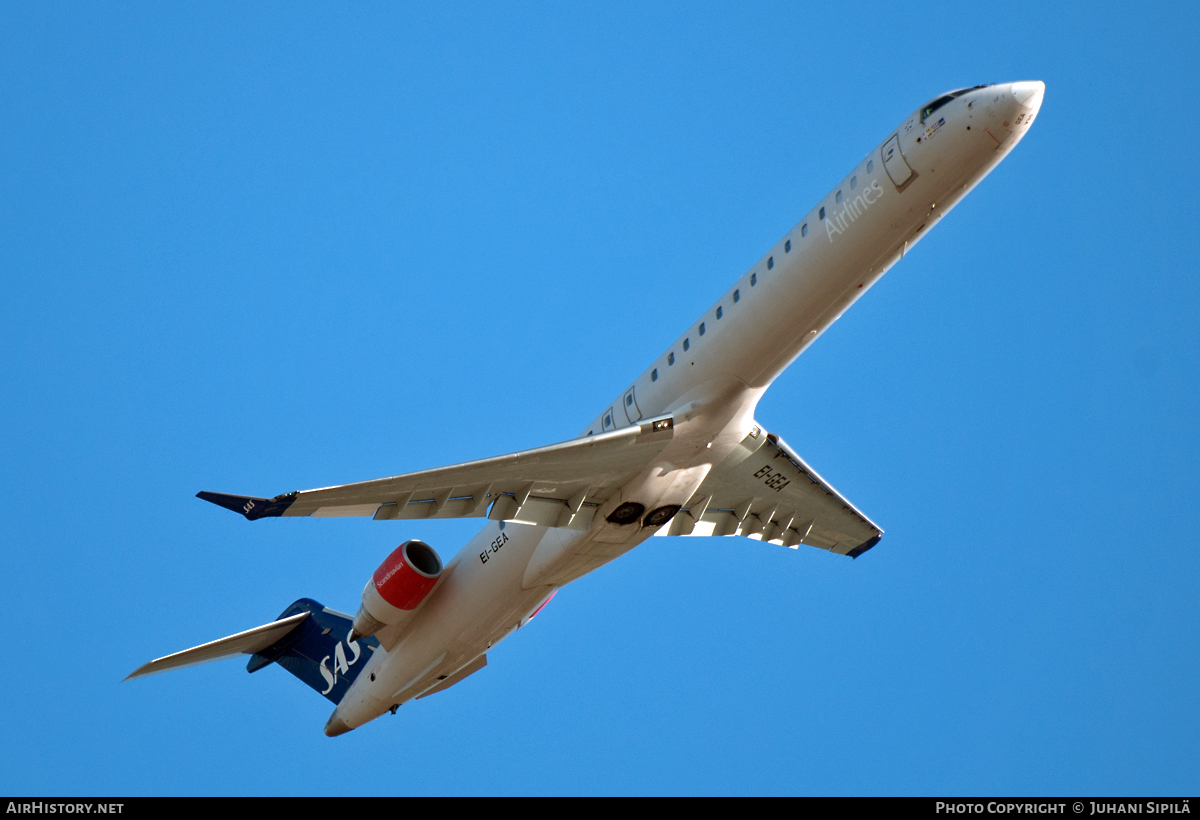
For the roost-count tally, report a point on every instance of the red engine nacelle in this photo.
(398, 587)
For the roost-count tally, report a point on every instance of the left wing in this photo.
(559, 485)
(765, 490)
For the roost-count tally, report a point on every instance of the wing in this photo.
(559, 485)
(764, 490)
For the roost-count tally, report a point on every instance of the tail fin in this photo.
(317, 651)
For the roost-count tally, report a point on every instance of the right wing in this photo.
(765, 490)
(559, 485)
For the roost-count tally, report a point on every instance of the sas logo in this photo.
(340, 663)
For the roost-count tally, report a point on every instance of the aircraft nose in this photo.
(1029, 93)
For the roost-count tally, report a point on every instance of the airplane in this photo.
(677, 453)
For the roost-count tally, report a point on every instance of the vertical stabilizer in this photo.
(317, 652)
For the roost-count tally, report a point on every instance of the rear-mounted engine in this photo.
(398, 587)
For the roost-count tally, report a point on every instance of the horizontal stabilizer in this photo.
(249, 506)
(243, 643)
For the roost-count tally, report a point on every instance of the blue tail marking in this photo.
(317, 651)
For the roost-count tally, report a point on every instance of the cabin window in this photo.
(671, 358)
(838, 198)
(870, 166)
(753, 279)
(719, 312)
(654, 375)
(821, 214)
(787, 246)
(737, 296)
(702, 328)
(628, 400)
(607, 421)
(687, 343)
(804, 229)
(853, 183)
(770, 262)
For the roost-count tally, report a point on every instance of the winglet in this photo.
(864, 546)
(249, 506)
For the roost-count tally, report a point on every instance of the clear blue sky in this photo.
(271, 247)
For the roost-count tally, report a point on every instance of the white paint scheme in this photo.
(243, 643)
(712, 388)
(683, 433)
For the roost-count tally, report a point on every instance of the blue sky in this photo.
(271, 247)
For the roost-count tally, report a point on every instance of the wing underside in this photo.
(762, 490)
(559, 485)
(765, 490)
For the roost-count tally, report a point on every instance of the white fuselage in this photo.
(710, 380)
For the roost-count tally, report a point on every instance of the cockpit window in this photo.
(935, 105)
(945, 98)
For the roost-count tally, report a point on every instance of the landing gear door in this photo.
(631, 408)
(894, 164)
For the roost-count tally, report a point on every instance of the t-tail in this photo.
(307, 639)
